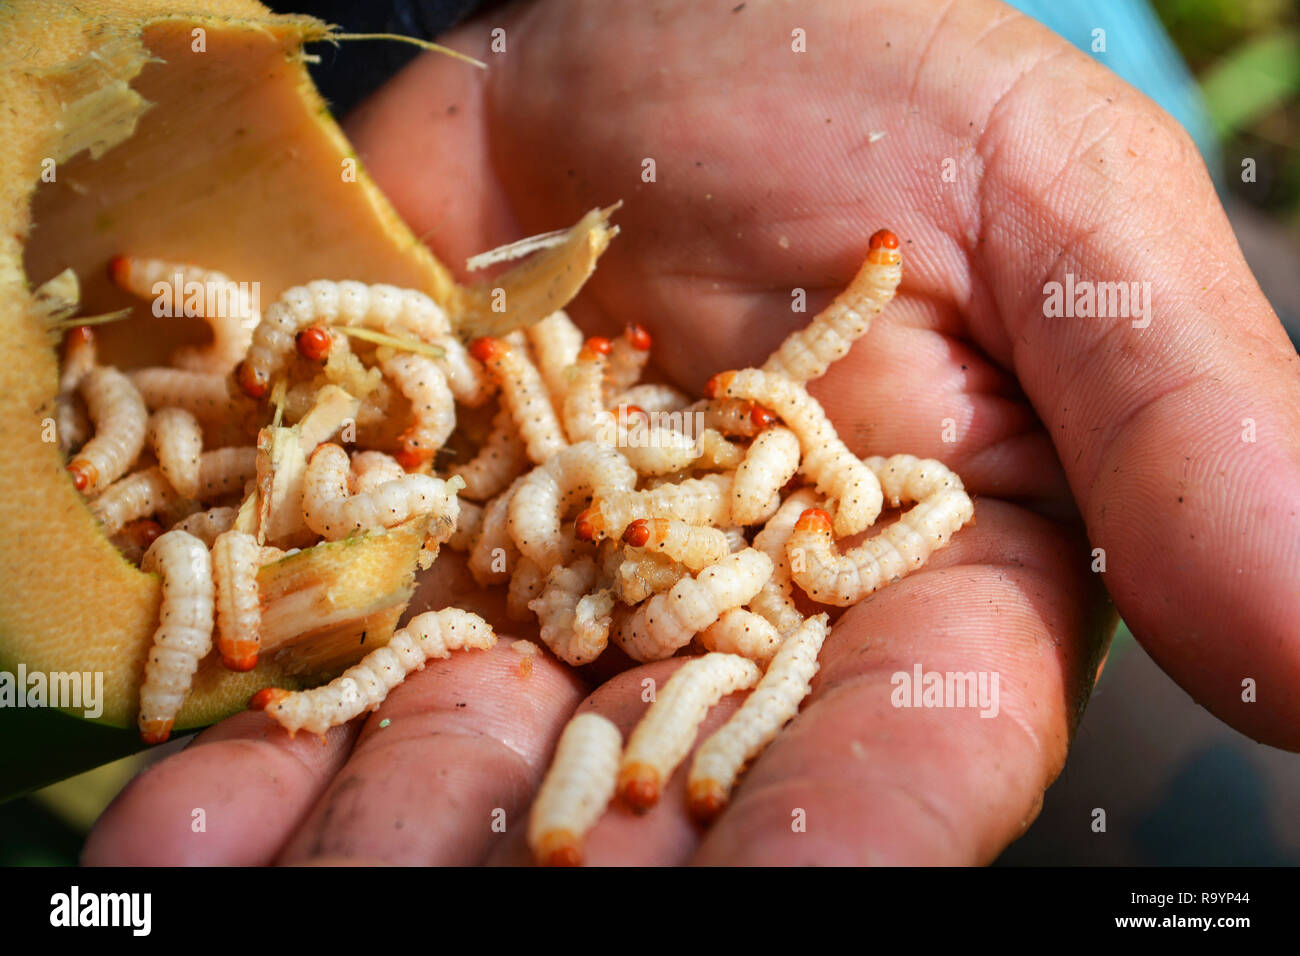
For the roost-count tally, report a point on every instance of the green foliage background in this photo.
(1246, 56)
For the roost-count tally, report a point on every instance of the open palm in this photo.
(1007, 160)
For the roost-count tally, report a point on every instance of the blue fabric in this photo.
(1139, 50)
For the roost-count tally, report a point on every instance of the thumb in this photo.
(1178, 422)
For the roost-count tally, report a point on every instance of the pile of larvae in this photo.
(610, 509)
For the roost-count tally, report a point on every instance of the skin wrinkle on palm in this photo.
(1013, 594)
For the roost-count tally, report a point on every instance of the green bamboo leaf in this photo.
(43, 746)
(1252, 80)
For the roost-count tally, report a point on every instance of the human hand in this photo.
(767, 180)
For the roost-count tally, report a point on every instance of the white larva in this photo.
(120, 420)
(576, 791)
(642, 574)
(493, 555)
(385, 308)
(701, 501)
(177, 440)
(223, 471)
(772, 460)
(807, 353)
(134, 539)
(652, 398)
(731, 416)
(418, 315)
(226, 306)
(742, 632)
(466, 377)
(774, 702)
(574, 614)
(716, 453)
(429, 636)
(274, 338)
(627, 360)
(547, 492)
(325, 490)
(653, 450)
(135, 496)
(524, 393)
(500, 460)
(583, 407)
(837, 472)
(667, 622)
(908, 478)
(207, 525)
(695, 546)
(433, 407)
(527, 581)
(236, 556)
(467, 528)
(333, 514)
(147, 492)
(79, 356)
(71, 423)
(903, 547)
(207, 397)
(736, 538)
(556, 342)
(370, 469)
(184, 634)
(774, 601)
(664, 735)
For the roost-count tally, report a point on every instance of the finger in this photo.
(663, 836)
(231, 798)
(447, 765)
(855, 779)
(1181, 439)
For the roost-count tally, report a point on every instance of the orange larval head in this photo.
(587, 525)
(84, 474)
(705, 800)
(629, 411)
(883, 247)
(883, 239)
(637, 336)
(79, 335)
(638, 786)
(596, 345)
(119, 267)
(243, 657)
(718, 384)
(559, 848)
(761, 416)
(251, 382)
(412, 457)
(155, 731)
(487, 349)
(637, 533)
(314, 343)
(814, 519)
(267, 697)
(143, 532)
